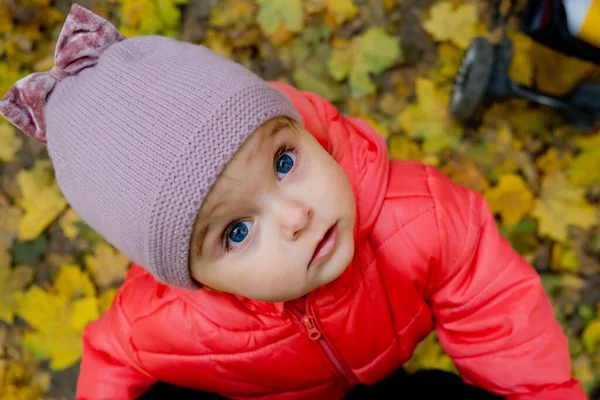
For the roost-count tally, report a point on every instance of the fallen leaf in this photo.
(429, 355)
(585, 168)
(106, 265)
(72, 282)
(553, 161)
(41, 200)
(561, 204)
(9, 223)
(147, 17)
(428, 119)
(449, 23)
(57, 317)
(232, 12)
(274, 14)
(69, 223)
(511, 198)
(105, 300)
(10, 142)
(12, 280)
(370, 53)
(464, 172)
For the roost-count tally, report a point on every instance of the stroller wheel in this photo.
(471, 82)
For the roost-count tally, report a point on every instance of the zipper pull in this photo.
(311, 327)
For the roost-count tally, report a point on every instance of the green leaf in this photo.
(275, 13)
(371, 53)
(29, 252)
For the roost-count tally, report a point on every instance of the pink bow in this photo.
(82, 40)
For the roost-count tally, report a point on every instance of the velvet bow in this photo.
(82, 40)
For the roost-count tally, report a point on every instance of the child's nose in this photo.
(294, 218)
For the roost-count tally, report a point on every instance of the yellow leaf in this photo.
(429, 354)
(10, 143)
(463, 171)
(511, 198)
(58, 317)
(232, 12)
(561, 204)
(552, 161)
(105, 300)
(41, 200)
(448, 62)
(591, 336)
(68, 223)
(107, 265)
(150, 17)
(341, 10)
(84, 311)
(585, 168)
(402, 148)
(12, 280)
(449, 23)
(9, 222)
(428, 119)
(583, 371)
(564, 259)
(71, 282)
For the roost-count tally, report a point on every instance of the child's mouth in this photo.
(325, 246)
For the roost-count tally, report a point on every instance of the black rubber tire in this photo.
(472, 80)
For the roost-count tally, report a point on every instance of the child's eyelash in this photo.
(284, 148)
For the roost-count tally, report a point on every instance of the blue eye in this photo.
(238, 233)
(284, 163)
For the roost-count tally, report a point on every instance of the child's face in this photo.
(264, 221)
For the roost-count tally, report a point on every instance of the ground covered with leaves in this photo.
(391, 62)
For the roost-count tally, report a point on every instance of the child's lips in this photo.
(325, 246)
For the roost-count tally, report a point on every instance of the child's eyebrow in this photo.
(277, 127)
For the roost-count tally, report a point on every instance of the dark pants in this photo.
(423, 385)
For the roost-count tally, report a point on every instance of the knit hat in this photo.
(138, 131)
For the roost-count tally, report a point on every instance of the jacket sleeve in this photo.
(491, 313)
(108, 368)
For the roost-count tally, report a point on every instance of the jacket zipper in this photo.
(314, 333)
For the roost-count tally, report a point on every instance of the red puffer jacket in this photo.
(428, 255)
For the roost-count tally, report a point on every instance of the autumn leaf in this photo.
(12, 280)
(106, 265)
(274, 14)
(561, 204)
(449, 23)
(463, 171)
(232, 12)
(585, 168)
(20, 376)
(591, 336)
(10, 142)
(9, 223)
(41, 200)
(58, 316)
(521, 67)
(147, 17)
(339, 10)
(511, 198)
(69, 223)
(370, 53)
(105, 300)
(553, 161)
(428, 119)
(430, 355)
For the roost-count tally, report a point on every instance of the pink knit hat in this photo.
(138, 131)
